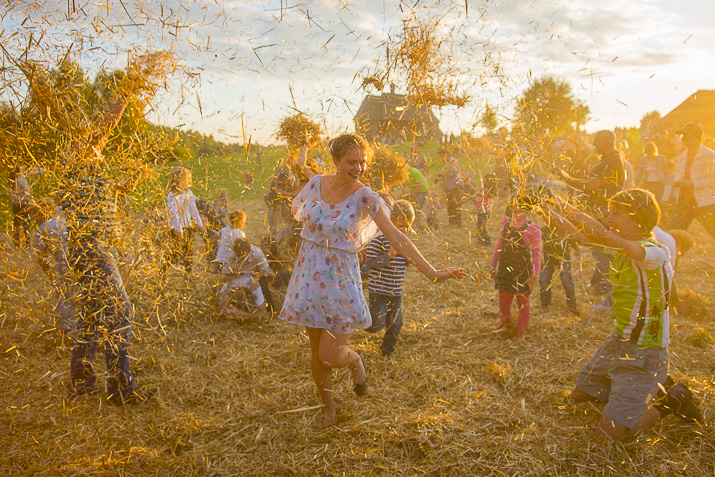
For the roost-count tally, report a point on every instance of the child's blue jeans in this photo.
(482, 234)
(386, 312)
(106, 315)
(550, 266)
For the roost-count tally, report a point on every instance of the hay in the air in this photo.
(386, 169)
(298, 130)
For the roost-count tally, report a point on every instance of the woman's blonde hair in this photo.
(179, 179)
(238, 217)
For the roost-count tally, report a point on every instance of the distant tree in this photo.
(651, 124)
(489, 119)
(548, 108)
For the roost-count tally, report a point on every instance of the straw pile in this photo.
(298, 130)
(386, 169)
(238, 399)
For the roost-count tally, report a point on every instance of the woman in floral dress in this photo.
(340, 216)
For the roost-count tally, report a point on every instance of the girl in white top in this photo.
(183, 215)
(228, 235)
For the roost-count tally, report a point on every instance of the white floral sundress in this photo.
(325, 290)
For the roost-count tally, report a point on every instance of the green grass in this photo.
(213, 174)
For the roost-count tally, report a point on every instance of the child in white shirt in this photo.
(183, 216)
(228, 235)
(248, 266)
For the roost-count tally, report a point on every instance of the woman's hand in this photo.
(530, 281)
(449, 272)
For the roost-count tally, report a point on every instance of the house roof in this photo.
(393, 107)
(699, 108)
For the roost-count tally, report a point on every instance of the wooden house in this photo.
(394, 118)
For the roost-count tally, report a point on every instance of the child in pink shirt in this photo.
(516, 263)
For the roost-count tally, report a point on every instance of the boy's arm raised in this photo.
(580, 226)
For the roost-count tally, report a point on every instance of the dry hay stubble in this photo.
(238, 397)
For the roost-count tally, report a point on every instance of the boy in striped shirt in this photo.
(631, 365)
(385, 279)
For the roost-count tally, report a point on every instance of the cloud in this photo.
(245, 54)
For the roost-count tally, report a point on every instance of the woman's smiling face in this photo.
(352, 165)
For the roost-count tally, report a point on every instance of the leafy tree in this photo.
(548, 108)
(489, 119)
(651, 123)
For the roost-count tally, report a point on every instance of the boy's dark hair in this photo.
(640, 204)
(403, 208)
(241, 247)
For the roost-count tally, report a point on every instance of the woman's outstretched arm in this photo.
(408, 250)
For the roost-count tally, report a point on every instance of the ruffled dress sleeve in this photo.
(309, 193)
(368, 204)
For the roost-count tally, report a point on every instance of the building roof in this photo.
(699, 108)
(393, 107)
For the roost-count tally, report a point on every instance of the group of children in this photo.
(243, 268)
(524, 252)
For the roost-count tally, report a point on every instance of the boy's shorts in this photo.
(625, 376)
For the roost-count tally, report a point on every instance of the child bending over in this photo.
(516, 263)
(248, 266)
(385, 279)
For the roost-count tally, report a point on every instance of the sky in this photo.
(245, 65)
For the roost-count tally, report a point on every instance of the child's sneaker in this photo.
(663, 388)
(574, 310)
(680, 401)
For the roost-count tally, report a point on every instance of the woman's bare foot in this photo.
(359, 376)
(330, 418)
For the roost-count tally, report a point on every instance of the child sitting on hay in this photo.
(385, 279)
(516, 263)
(631, 366)
(244, 272)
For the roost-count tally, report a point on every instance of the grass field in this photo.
(236, 398)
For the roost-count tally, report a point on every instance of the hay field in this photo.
(237, 398)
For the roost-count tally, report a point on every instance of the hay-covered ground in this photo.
(237, 398)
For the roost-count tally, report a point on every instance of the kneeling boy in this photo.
(631, 365)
